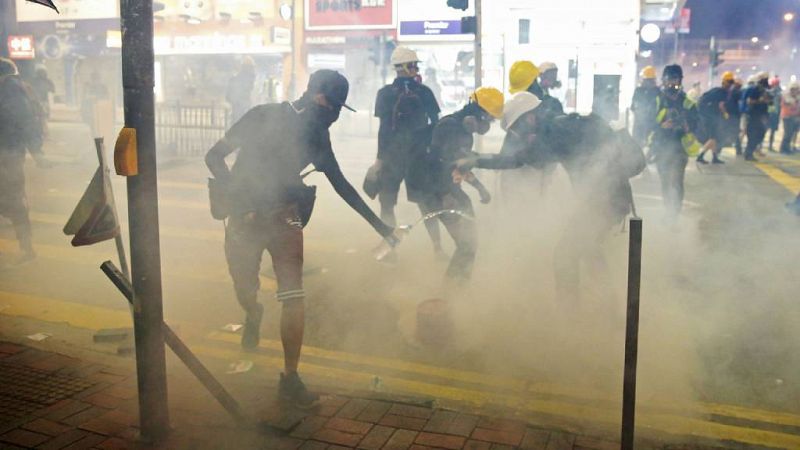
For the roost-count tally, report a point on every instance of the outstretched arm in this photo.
(347, 192)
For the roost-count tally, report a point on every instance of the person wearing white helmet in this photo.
(406, 109)
(756, 103)
(790, 113)
(548, 80)
(599, 162)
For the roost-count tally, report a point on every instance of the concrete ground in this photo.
(718, 354)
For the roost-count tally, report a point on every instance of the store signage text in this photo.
(430, 27)
(209, 44)
(21, 47)
(350, 14)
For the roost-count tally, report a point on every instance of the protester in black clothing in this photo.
(734, 123)
(775, 91)
(714, 115)
(21, 130)
(756, 101)
(268, 204)
(548, 79)
(599, 162)
(674, 138)
(43, 86)
(441, 179)
(644, 105)
(406, 109)
(239, 93)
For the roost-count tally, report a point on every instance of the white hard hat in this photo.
(760, 76)
(547, 65)
(518, 105)
(403, 55)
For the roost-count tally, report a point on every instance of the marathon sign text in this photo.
(351, 14)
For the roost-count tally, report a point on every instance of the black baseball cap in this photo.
(333, 85)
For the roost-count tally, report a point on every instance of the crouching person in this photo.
(440, 180)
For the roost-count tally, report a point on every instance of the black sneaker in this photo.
(292, 390)
(717, 161)
(251, 334)
(700, 160)
(750, 158)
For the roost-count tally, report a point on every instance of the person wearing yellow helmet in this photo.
(712, 107)
(538, 80)
(643, 105)
(521, 76)
(452, 140)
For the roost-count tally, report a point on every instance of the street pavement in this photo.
(719, 336)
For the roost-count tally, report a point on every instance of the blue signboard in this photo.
(430, 27)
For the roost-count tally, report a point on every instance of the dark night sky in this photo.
(732, 19)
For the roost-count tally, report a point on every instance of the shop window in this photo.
(524, 31)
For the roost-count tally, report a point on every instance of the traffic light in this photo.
(458, 4)
(375, 54)
(469, 25)
(381, 50)
(714, 58)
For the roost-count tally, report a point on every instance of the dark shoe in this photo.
(292, 390)
(750, 158)
(700, 160)
(251, 335)
(717, 161)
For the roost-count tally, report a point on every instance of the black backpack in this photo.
(706, 106)
(409, 110)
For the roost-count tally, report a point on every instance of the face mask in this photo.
(324, 116)
(476, 125)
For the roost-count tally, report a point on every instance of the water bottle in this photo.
(388, 244)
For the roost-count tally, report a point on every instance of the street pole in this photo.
(631, 334)
(478, 45)
(478, 59)
(138, 81)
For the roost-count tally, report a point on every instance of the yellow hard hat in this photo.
(521, 76)
(728, 76)
(490, 100)
(648, 73)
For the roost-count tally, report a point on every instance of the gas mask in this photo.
(672, 86)
(474, 124)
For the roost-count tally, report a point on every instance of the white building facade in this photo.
(593, 42)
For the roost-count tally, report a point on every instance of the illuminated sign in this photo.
(67, 10)
(350, 14)
(424, 20)
(21, 47)
(216, 43)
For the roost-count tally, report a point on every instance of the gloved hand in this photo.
(486, 197)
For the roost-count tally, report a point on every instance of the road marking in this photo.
(87, 257)
(664, 423)
(501, 383)
(779, 176)
(94, 318)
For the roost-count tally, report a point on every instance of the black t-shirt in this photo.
(21, 125)
(276, 142)
(708, 105)
(385, 104)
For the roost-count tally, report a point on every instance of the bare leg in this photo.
(292, 330)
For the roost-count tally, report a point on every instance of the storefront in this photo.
(355, 38)
(447, 53)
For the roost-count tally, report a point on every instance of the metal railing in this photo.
(189, 130)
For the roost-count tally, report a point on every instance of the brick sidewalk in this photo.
(52, 401)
